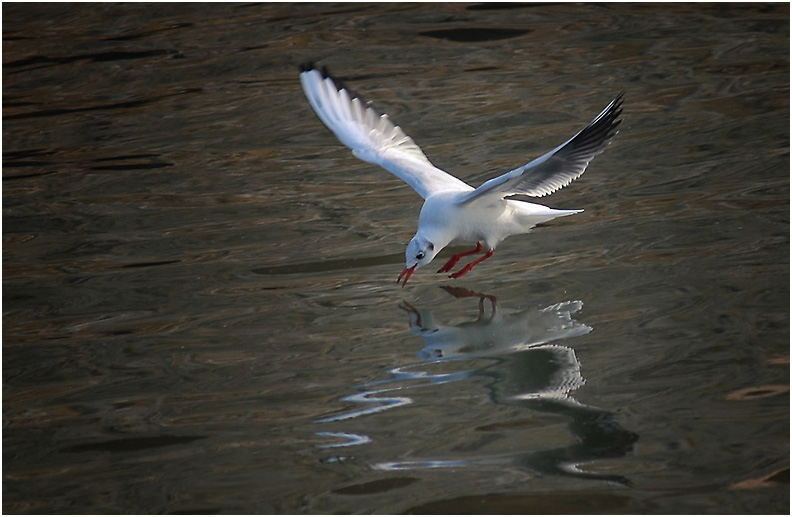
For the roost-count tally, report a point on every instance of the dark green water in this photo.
(200, 312)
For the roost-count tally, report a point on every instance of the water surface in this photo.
(200, 307)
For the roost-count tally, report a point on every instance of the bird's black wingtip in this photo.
(615, 108)
(309, 66)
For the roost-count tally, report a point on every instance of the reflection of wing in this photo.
(564, 367)
(560, 166)
(373, 137)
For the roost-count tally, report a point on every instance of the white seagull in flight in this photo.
(453, 210)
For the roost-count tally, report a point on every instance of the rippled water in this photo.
(200, 307)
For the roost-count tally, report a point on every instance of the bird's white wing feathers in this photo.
(373, 137)
(560, 166)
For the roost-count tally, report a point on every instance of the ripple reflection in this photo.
(523, 368)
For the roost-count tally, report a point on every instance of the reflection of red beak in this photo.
(408, 271)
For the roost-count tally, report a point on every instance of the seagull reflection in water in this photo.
(527, 371)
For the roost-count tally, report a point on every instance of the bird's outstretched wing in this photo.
(560, 166)
(373, 137)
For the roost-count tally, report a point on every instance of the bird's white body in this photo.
(445, 219)
(454, 210)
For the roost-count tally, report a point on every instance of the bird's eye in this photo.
(420, 255)
(431, 246)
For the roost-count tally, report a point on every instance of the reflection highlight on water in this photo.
(524, 369)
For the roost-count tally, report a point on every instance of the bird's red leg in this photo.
(461, 292)
(465, 270)
(453, 260)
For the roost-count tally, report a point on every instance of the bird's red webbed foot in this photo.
(465, 270)
(453, 260)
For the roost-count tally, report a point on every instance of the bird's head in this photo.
(419, 252)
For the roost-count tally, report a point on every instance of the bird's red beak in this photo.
(408, 271)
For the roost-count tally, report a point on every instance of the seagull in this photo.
(452, 209)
